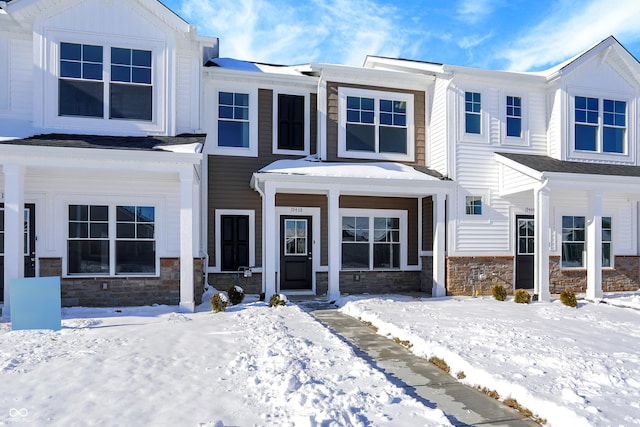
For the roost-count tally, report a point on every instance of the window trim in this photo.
(46, 105)
(219, 213)
(112, 239)
(252, 150)
(485, 196)
(483, 136)
(371, 214)
(307, 121)
(377, 95)
(611, 243)
(629, 149)
(523, 139)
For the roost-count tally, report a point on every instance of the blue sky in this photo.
(521, 35)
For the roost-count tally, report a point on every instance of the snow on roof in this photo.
(238, 64)
(376, 170)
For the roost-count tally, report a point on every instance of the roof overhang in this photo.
(370, 179)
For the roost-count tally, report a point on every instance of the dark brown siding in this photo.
(311, 201)
(410, 205)
(230, 176)
(332, 120)
(427, 224)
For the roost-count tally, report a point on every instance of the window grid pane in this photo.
(514, 116)
(135, 244)
(614, 126)
(233, 120)
(88, 244)
(573, 240)
(473, 205)
(472, 108)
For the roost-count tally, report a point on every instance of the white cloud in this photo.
(474, 11)
(274, 31)
(572, 27)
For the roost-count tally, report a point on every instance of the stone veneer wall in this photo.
(624, 277)
(223, 281)
(124, 291)
(426, 277)
(379, 282)
(499, 270)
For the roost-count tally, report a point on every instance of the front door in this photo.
(524, 251)
(29, 243)
(296, 261)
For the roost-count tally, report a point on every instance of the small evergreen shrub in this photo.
(236, 294)
(278, 299)
(219, 302)
(499, 292)
(522, 297)
(461, 375)
(568, 297)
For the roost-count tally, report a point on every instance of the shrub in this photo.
(236, 294)
(219, 302)
(522, 297)
(461, 375)
(568, 297)
(499, 292)
(278, 299)
(440, 363)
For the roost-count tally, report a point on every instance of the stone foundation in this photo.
(460, 271)
(124, 291)
(426, 278)
(223, 281)
(624, 277)
(379, 282)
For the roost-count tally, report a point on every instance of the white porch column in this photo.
(542, 211)
(439, 286)
(13, 228)
(334, 244)
(187, 300)
(594, 245)
(270, 241)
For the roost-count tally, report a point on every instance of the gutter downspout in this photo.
(256, 186)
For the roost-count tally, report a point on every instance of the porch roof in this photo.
(547, 164)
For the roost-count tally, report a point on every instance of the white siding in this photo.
(21, 79)
(513, 181)
(187, 94)
(4, 72)
(438, 140)
(554, 133)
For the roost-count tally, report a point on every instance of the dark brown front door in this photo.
(29, 243)
(524, 251)
(296, 260)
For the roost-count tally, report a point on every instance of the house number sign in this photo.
(297, 210)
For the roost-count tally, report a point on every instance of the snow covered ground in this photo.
(573, 367)
(251, 365)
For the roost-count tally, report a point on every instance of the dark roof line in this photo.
(143, 143)
(547, 164)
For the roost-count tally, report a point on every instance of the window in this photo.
(290, 126)
(234, 242)
(88, 240)
(588, 134)
(81, 84)
(472, 112)
(473, 205)
(233, 120)
(82, 77)
(371, 242)
(91, 244)
(606, 242)
(376, 125)
(130, 91)
(514, 116)
(295, 237)
(135, 239)
(27, 232)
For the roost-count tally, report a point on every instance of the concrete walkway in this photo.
(463, 405)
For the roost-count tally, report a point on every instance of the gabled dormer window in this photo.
(600, 125)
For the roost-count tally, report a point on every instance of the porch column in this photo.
(334, 244)
(541, 243)
(594, 245)
(187, 300)
(439, 286)
(13, 229)
(270, 241)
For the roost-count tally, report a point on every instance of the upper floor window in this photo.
(514, 116)
(376, 124)
(233, 119)
(472, 112)
(291, 120)
(596, 132)
(81, 85)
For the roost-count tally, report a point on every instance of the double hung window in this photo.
(84, 69)
(574, 238)
(472, 112)
(514, 116)
(108, 240)
(376, 125)
(371, 242)
(233, 120)
(600, 125)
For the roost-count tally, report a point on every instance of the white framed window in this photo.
(472, 125)
(235, 129)
(291, 122)
(601, 126)
(373, 239)
(235, 239)
(513, 116)
(473, 113)
(111, 240)
(375, 125)
(574, 239)
(473, 205)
